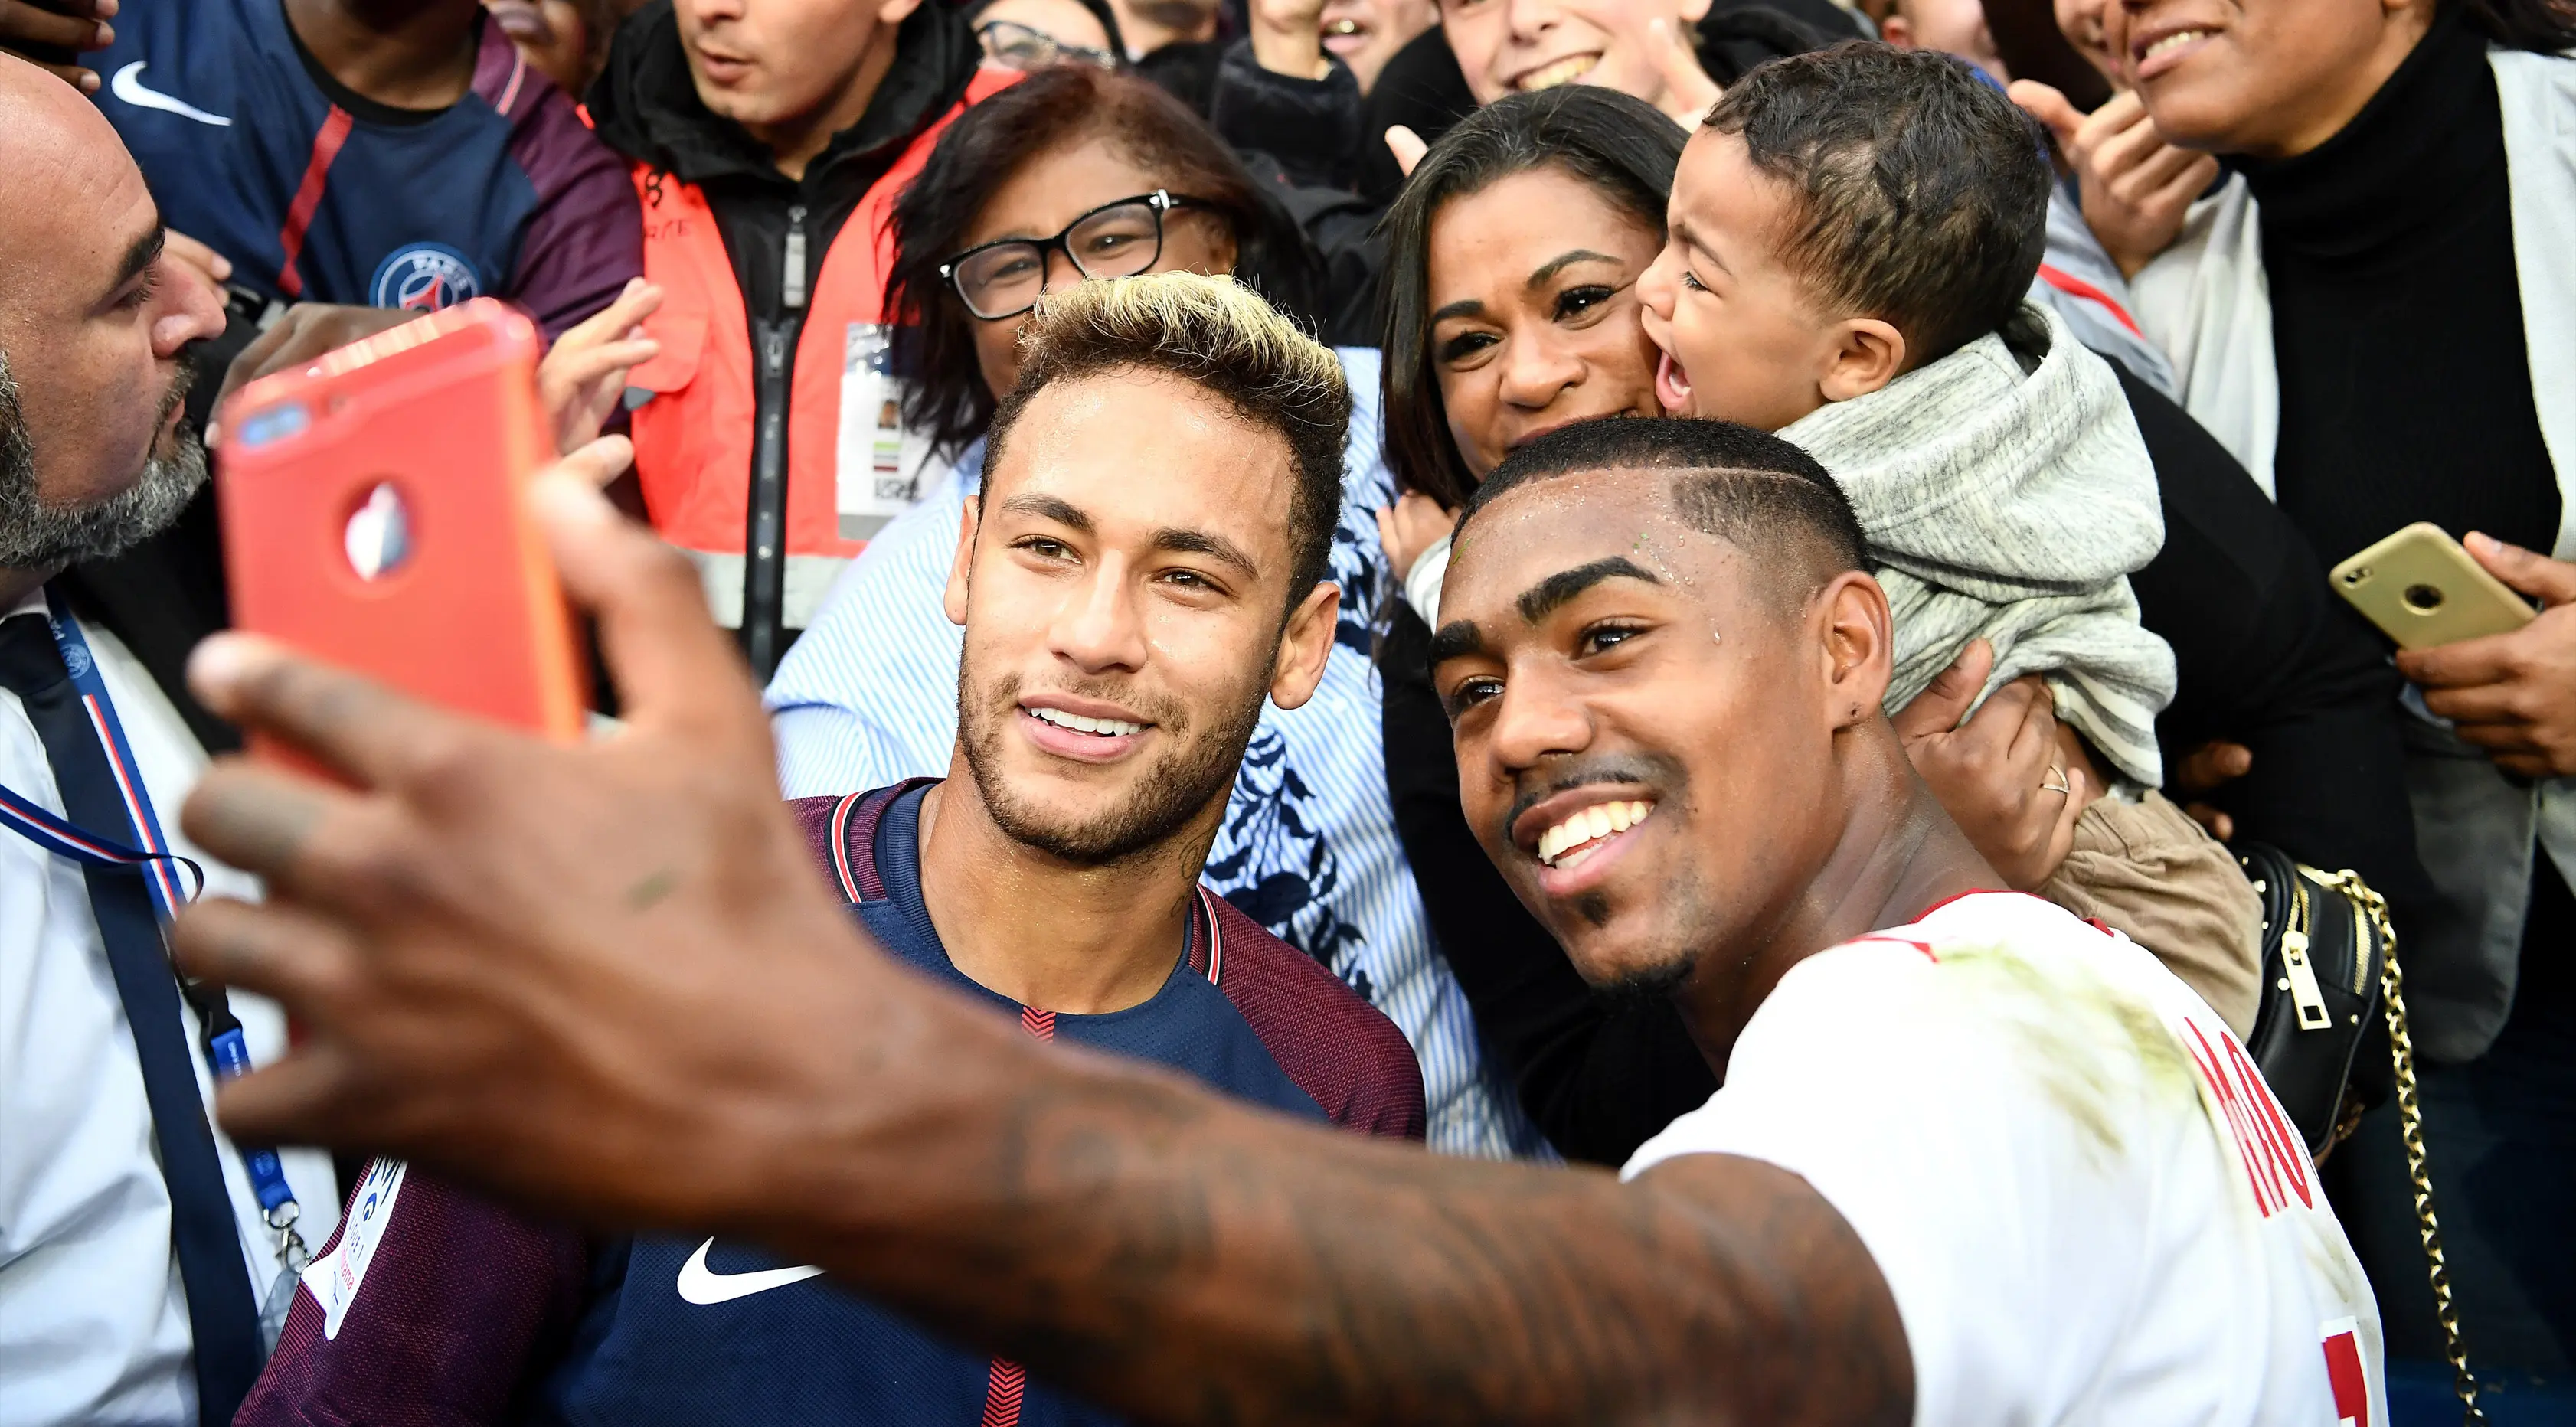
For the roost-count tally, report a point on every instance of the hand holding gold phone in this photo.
(2422, 589)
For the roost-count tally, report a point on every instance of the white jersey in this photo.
(2086, 1203)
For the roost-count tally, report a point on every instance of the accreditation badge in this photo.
(880, 465)
(333, 1278)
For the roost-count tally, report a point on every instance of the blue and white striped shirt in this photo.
(869, 696)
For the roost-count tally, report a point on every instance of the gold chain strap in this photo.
(2410, 1127)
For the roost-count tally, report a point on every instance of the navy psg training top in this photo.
(318, 194)
(465, 1312)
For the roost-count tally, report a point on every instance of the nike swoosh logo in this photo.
(702, 1285)
(130, 89)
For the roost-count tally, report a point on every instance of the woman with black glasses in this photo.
(1071, 175)
(1072, 172)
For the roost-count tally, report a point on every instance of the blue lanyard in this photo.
(227, 1051)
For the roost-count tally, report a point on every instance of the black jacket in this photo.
(2264, 656)
(645, 106)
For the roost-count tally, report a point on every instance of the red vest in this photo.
(695, 438)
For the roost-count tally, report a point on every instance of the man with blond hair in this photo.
(1140, 572)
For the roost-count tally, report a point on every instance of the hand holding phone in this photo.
(2423, 590)
(373, 518)
(2512, 694)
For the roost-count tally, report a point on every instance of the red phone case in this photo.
(406, 452)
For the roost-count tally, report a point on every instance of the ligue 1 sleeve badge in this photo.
(424, 277)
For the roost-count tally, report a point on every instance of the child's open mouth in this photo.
(1672, 386)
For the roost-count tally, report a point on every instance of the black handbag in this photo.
(2322, 959)
(2329, 976)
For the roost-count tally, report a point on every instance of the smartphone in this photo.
(372, 519)
(2422, 589)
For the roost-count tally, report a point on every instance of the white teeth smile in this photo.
(2173, 41)
(1104, 727)
(1566, 70)
(1585, 831)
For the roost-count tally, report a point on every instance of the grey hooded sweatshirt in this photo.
(2006, 493)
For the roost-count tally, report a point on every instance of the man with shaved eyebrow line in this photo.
(1974, 1160)
(1459, 638)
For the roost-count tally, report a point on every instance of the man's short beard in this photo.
(37, 536)
(1176, 789)
(1652, 985)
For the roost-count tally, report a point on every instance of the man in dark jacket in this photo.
(768, 139)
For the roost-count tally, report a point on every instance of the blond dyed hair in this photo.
(1220, 337)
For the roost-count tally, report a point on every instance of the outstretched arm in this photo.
(608, 978)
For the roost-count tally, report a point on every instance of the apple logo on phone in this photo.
(378, 536)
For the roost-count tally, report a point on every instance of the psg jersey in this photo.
(317, 194)
(464, 1312)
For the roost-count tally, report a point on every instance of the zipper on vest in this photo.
(764, 572)
(791, 289)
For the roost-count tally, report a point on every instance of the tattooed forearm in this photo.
(1187, 1261)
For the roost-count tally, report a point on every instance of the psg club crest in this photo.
(424, 277)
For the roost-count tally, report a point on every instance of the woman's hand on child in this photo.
(2000, 775)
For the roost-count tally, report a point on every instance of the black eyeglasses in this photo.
(1121, 239)
(1016, 46)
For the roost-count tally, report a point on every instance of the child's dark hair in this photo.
(1919, 192)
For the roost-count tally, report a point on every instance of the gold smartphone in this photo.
(2422, 589)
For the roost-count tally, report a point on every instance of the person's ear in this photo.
(895, 12)
(961, 566)
(1305, 645)
(1693, 11)
(1897, 30)
(1858, 646)
(1866, 354)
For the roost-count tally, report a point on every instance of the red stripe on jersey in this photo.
(1040, 1024)
(308, 197)
(841, 847)
(1216, 939)
(1002, 1394)
(1928, 953)
(1208, 960)
(2074, 286)
(510, 95)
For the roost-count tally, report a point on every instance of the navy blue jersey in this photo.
(806, 1351)
(469, 1313)
(317, 194)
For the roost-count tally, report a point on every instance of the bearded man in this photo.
(138, 1246)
